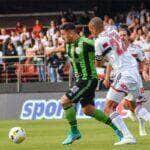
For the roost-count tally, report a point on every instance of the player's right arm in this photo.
(50, 51)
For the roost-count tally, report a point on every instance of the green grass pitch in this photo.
(48, 135)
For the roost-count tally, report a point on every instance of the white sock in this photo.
(118, 121)
(141, 112)
(142, 130)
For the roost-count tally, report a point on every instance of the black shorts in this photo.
(83, 91)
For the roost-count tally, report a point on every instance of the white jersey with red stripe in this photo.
(110, 45)
(136, 51)
(127, 79)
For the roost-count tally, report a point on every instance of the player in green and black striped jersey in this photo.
(80, 51)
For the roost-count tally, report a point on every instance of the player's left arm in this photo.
(102, 49)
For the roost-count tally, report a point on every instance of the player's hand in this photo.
(106, 83)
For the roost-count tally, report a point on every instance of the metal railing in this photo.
(29, 70)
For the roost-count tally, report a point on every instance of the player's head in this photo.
(124, 35)
(68, 32)
(96, 26)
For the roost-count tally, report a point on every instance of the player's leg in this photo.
(74, 95)
(113, 98)
(139, 111)
(70, 114)
(90, 110)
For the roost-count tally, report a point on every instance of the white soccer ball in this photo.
(17, 135)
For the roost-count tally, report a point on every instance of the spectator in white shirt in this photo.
(25, 33)
(3, 35)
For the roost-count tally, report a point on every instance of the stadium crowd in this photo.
(32, 44)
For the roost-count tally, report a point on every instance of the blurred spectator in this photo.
(20, 51)
(51, 31)
(24, 33)
(18, 27)
(14, 38)
(129, 19)
(71, 16)
(1, 65)
(39, 60)
(63, 68)
(3, 35)
(135, 24)
(84, 18)
(106, 20)
(10, 62)
(37, 28)
(52, 67)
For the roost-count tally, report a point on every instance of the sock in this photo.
(142, 130)
(141, 112)
(118, 121)
(70, 114)
(100, 116)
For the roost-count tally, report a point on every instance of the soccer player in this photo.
(80, 51)
(136, 106)
(109, 45)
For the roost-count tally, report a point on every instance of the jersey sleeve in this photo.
(89, 41)
(102, 48)
(88, 44)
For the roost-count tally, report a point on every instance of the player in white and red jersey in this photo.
(110, 46)
(136, 106)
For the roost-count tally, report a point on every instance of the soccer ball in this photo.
(17, 135)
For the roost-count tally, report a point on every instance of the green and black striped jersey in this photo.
(82, 55)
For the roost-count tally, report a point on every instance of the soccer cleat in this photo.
(71, 138)
(119, 134)
(126, 140)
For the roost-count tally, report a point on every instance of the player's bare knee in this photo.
(110, 107)
(129, 105)
(88, 110)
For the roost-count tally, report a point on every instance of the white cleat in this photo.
(126, 140)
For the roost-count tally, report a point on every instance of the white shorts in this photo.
(123, 85)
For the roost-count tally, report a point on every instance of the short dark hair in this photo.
(68, 26)
(124, 27)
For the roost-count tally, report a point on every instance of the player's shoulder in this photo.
(102, 40)
(86, 41)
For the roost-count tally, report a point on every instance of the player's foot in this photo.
(119, 134)
(71, 138)
(126, 140)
